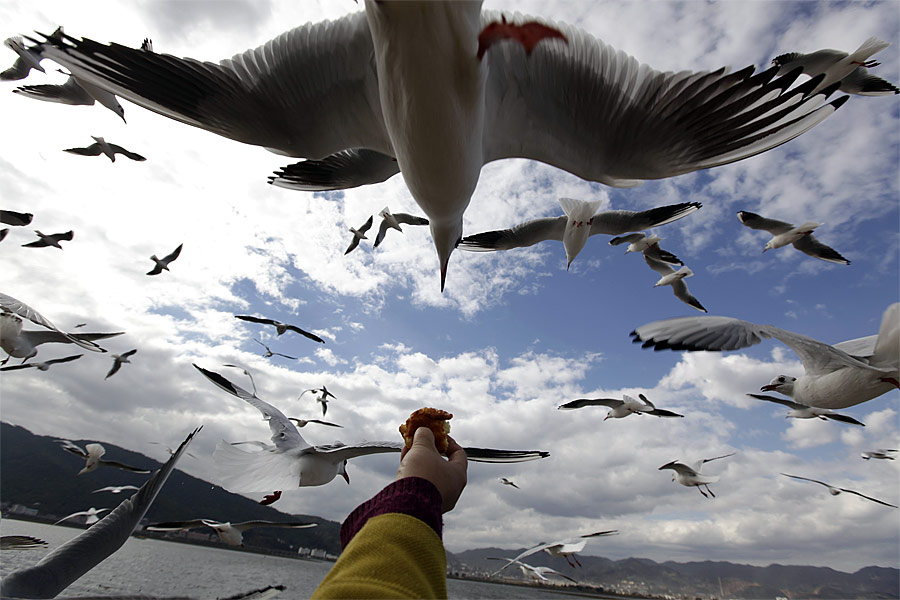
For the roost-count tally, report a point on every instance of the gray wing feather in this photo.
(340, 171)
(582, 402)
(617, 222)
(810, 245)
(755, 221)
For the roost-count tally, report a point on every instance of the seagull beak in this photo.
(767, 388)
(346, 477)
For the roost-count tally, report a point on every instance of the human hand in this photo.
(423, 460)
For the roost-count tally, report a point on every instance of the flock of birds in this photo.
(492, 88)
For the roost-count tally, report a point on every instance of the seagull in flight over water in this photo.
(229, 533)
(290, 461)
(92, 454)
(566, 548)
(432, 91)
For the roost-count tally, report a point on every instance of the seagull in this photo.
(271, 498)
(161, 265)
(64, 565)
(304, 422)
(92, 453)
(229, 533)
(669, 276)
(89, 514)
(118, 489)
(16, 219)
(20, 542)
(581, 220)
(567, 548)
(882, 453)
(532, 572)
(293, 462)
(42, 366)
(280, 327)
(359, 234)
(101, 146)
(392, 221)
(836, 376)
(836, 490)
(23, 344)
(434, 87)
(800, 237)
(29, 58)
(3, 233)
(506, 481)
(851, 70)
(118, 359)
(690, 475)
(322, 398)
(801, 411)
(639, 242)
(74, 93)
(621, 408)
(270, 354)
(50, 240)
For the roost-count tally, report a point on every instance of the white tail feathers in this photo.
(579, 209)
(887, 346)
(869, 47)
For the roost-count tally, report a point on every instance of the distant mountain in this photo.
(36, 473)
(706, 579)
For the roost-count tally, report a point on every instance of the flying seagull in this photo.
(23, 344)
(322, 398)
(621, 408)
(271, 498)
(566, 548)
(73, 93)
(101, 146)
(29, 58)
(566, 99)
(229, 533)
(16, 219)
(359, 234)
(580, 221)
(670, 276)
(270, 354)
(849, 69)
(118, 360)
(160, 265)
(118, 489)
(42, 366)
(91, 515)
(801, 411)
(539, 573)
(92, 455)
(50, 240)
(881, 453)
(506, 481)
(393, 220)
(835, 376)
(64, 565)
(280, 327)
(800, 237)
(290, 461)
(834, 491)
(689, 475)
(304, 422)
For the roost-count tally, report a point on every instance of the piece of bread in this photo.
(438, 421)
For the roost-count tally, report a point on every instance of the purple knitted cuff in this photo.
(413, 496)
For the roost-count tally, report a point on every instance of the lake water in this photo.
(155, 568)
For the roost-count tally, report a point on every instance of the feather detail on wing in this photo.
(257, 471)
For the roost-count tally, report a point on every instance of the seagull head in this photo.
(579, 215)
(783, 384)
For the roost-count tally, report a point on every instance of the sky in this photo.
(513, 335)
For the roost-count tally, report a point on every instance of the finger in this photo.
(455, 452)
(424, 437)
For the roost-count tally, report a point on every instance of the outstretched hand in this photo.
(423, 460)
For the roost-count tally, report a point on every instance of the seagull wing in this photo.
(17, 219)
(17, 367)
(68, 446)
(174, 254)
(626, 239)
(754, 221)
(290, 524)
(807, 479)
(68, 93)
(307, 334)
(382, 230)
(17, 542)
(409, 219)
(867, 497)
(120, 150)
(310, 92)
(809, 244)
(596, 112)
(582, 402)
(67, 563)
(284, 434)
(53, 361)
(118, 465)
(487, 455)
(617, 222)
(92, 150)
(176, 525)
(706, 460)
(305, 421)
(520, 236)
(782, 401)
(727, 333)
(680, 289)
(255, 319)
(343, 170)
(843, 419)
(10, 304)
(18, 70)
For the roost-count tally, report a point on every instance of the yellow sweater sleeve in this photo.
(393, 556)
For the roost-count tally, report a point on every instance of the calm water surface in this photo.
(157, 568)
